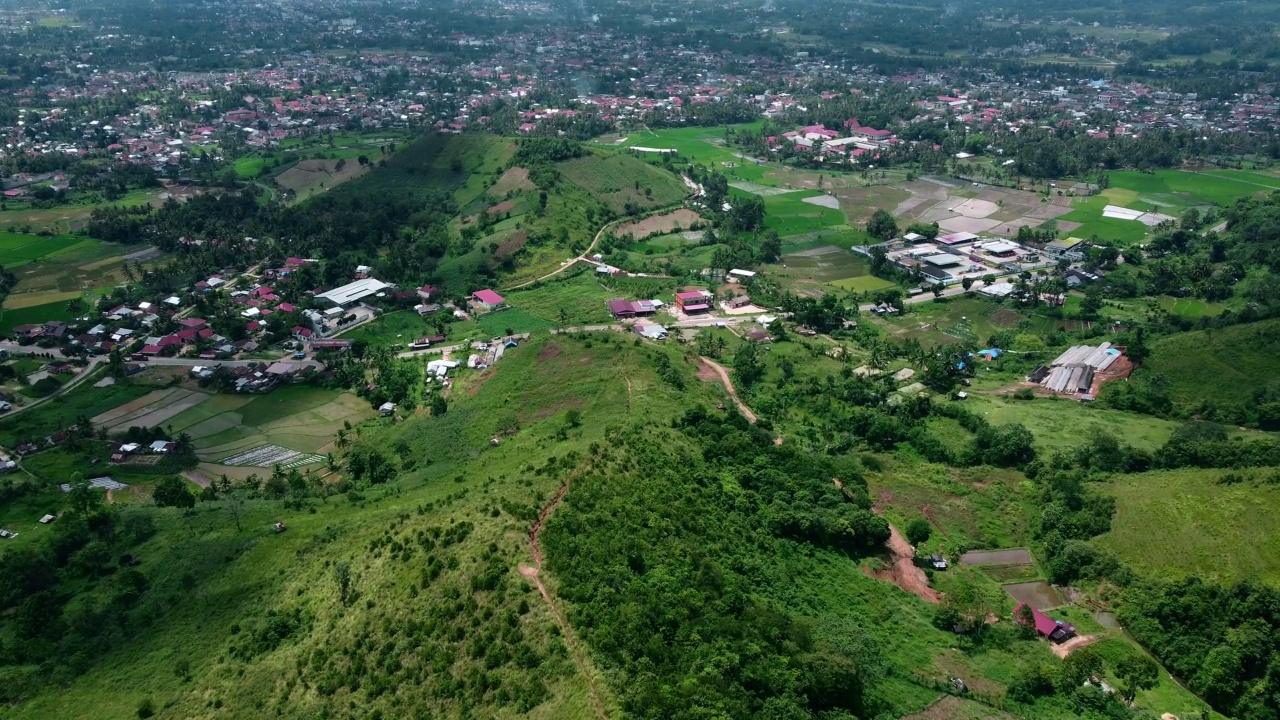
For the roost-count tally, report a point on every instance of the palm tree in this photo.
(184, 444)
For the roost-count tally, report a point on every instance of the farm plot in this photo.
(659, 224)
(1013, 556)
(150, 410)
(1039, 595)
(265, 456)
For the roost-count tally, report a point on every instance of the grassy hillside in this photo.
(620, 181)
(1185, 522)
(1224, 365)
(458, 164)
(440, 620)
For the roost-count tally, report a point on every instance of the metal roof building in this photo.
(353, 292)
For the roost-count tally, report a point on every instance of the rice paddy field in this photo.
(1169, 192)
(823, 268)
(297, 418)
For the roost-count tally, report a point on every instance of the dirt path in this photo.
(728, 385)
(1069, 646)
(902, 571)
(533, 575)
(196, 477)
(573, 261)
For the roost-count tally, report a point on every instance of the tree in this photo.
(235, 506)
(1080, 666)
(1026, 620)
(882, 226)
(966, 283)
(184, 445)
(918, 531)
(747, 367)
(342, 576)
(172, 492)
(1137, 672)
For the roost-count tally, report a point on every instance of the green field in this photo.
(1168, 192)
(1064, 424)
(577, 293)
(1223, 365)
(295, 417)
(19, 249)
(1182, 522)
(61, 412)
(9, 319)
(620, 181)
(790, 215)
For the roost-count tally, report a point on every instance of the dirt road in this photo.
(1071, 645)
(902, 570)
(570, 263)
(719, 369)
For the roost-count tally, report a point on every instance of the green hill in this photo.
(1224, 366)
(622, 182)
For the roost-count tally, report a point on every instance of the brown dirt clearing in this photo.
(682, 219)
(516, 178)
(548, 352)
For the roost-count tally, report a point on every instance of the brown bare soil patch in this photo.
(548, 352)
(899, 568)
(1005, 318)
(516, 178)
(501, 207)
(311, 176)
(950, 707)
(1066, 648)
(512, 244)
(681, 219)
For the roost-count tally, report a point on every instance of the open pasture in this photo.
(1189, 522)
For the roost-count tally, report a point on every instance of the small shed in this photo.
(386, 409)
(47, 519)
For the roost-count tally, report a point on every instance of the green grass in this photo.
(790, 215)
(9, 319)
(394, 328)
(59, 413)
(513, 319)
(1223, 365)
(1166, 191)
(1182, 522)
(1064, 423)
(578, 293)
(286, 401)
(619, 180)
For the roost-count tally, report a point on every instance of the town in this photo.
(603, 360)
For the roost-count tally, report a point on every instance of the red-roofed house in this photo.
(488, 298)
(426, 291)
(1055, 630)
(302, 333)
(286, 307)
(193, 323)
(693, 301)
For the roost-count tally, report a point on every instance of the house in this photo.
(487, 299)
(693, 301)
(739, 301)
(426, 291)
(1055, 630)
(386, 409)
(162, 446)
(651, 332)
